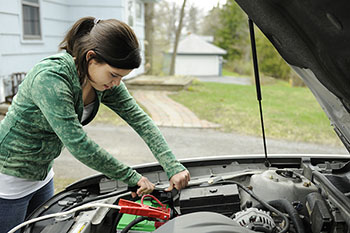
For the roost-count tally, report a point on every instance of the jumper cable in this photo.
(140, 209)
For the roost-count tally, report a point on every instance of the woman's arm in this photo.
(52, 93)
(121, 102)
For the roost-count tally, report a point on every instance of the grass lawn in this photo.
(226, 72)
(107, 116)
(290, 113)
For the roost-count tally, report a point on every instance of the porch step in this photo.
(160, 83)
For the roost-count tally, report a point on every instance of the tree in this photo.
(233, 33)
(233, 36)
(149, 29)
(211, 22)
(270, 62)
(165, 21)
(193, 20)
(177, 38)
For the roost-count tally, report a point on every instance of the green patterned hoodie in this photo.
(45, 116)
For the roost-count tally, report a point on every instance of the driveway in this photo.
(123, 143)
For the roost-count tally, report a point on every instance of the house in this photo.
(32, 29)
(197, 57)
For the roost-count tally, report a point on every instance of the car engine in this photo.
(234, 196)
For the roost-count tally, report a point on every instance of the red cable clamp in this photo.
(130, 207)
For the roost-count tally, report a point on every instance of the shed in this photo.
(33, 29)
(195, 56)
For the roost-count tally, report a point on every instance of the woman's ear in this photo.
(90, 54)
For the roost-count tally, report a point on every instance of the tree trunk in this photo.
(149, 28)
(177, 38)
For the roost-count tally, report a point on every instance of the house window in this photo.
(31, 19)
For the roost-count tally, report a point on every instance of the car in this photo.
(255, 193)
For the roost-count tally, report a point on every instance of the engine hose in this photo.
(133, 223)
(285, 206)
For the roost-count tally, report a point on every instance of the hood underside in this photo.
(312, 36)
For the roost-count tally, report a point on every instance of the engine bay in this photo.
(293, 195)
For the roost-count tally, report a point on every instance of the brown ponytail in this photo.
(113, 42)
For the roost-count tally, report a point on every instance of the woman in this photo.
(59, 95)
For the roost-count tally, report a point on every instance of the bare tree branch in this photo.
(177, 38)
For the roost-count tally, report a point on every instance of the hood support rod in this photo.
(257, 84)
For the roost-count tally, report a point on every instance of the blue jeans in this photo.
(14, 211)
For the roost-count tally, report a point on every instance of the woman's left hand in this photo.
(145, 187)
(179, 180)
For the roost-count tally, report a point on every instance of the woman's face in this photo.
(104, 76)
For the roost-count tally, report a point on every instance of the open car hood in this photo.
(312, 37)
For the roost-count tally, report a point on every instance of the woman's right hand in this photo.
(146, 187)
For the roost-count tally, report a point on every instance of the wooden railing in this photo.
(16, 79)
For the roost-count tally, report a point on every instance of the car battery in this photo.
(223, 199)
(141, 227)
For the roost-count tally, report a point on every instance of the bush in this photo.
(270, 62)
(241, 67)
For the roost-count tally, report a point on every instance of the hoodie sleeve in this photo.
(120, 101)
(52, 93)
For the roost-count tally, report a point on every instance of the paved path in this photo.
(166, 112)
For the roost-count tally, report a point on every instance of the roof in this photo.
(193, 44)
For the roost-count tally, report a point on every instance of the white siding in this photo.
(9, 6)
(197, 65)
(2, 91)
(101, 12)
(139, 29)
(94, 3)
(57, 16)
(20, 55)
(9, 23)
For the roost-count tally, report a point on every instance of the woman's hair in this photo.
(113, 42)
